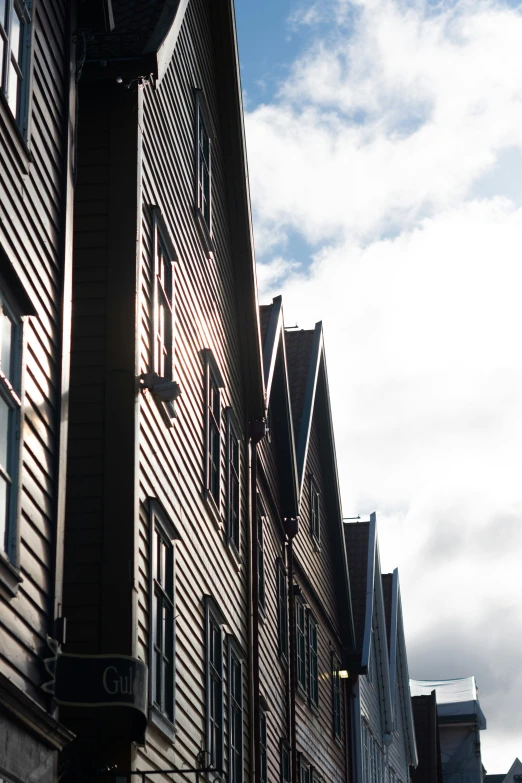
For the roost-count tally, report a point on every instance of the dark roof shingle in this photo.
(356, 536)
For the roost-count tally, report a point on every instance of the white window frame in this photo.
(282, 610)
(235, 711)
(300, 643)
(336, 698)
(313, 660)
(11, 395)
(163, 716)
(233, 482)
(213, 386)
(214, 621)
(163, 315)
(20, 65)
(315, 513)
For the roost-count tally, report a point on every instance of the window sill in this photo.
(162, 723)
(15, 137)
(204, 231)
(316, 543)
(302, 692)
(213, 509)
(10, 577)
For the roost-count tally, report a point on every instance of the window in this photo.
(162, 342)
(162, 634)
(282, 611)
(262, 746)
(305, 771)
(286, 775)
(10, 412)
(163, 299)
(260, 560)
(235, 752)
(300, 643)
(314, 512)
(213, 384)
(336, 697)
(214, 686)
(15, 40)
(365, 754)
(204, 168)
(233, 483)
(313, 661)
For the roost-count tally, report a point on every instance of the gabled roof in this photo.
(368, 600)
(278, 398)
(396, 643)
(310, 396)
(516, 769)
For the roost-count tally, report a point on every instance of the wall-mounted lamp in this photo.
(343, 674)
(165, 390)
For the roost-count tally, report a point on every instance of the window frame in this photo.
(336, 698)
(315, 513)
(285, 752)
(214, 617)
(300, 645)
(305, 770)
(213, 423)
(235, 709)
(203, 123)
(313, 658)
(263, 746)
(161, 241)
(261, 582)
(12, 395)
(233, 480)
(22, 64)
(282, 610)
(160, 524)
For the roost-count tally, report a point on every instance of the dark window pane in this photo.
(4, 497)
(6, 333)
(5, 423)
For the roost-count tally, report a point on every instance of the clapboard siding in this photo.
(31, 233)
(397, 754)
(317, 561)
(172, 460)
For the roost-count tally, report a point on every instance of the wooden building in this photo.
(197, 554)
(37, 119)
(429, 768)
(383, 734)
(167, 398)
(306, 627)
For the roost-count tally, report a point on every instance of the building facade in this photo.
(37, 119)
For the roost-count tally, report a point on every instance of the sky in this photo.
(385, 156)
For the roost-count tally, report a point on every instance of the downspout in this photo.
(257, 433)
(70, 136)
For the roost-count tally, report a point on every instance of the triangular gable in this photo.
(398, 659)
(365, 563)
(310, 396)
(516, 770)
(277, 388)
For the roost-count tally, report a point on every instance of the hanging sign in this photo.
(97, 680)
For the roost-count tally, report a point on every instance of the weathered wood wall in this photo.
(32, 195)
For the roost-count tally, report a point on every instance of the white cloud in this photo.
(390, 148)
